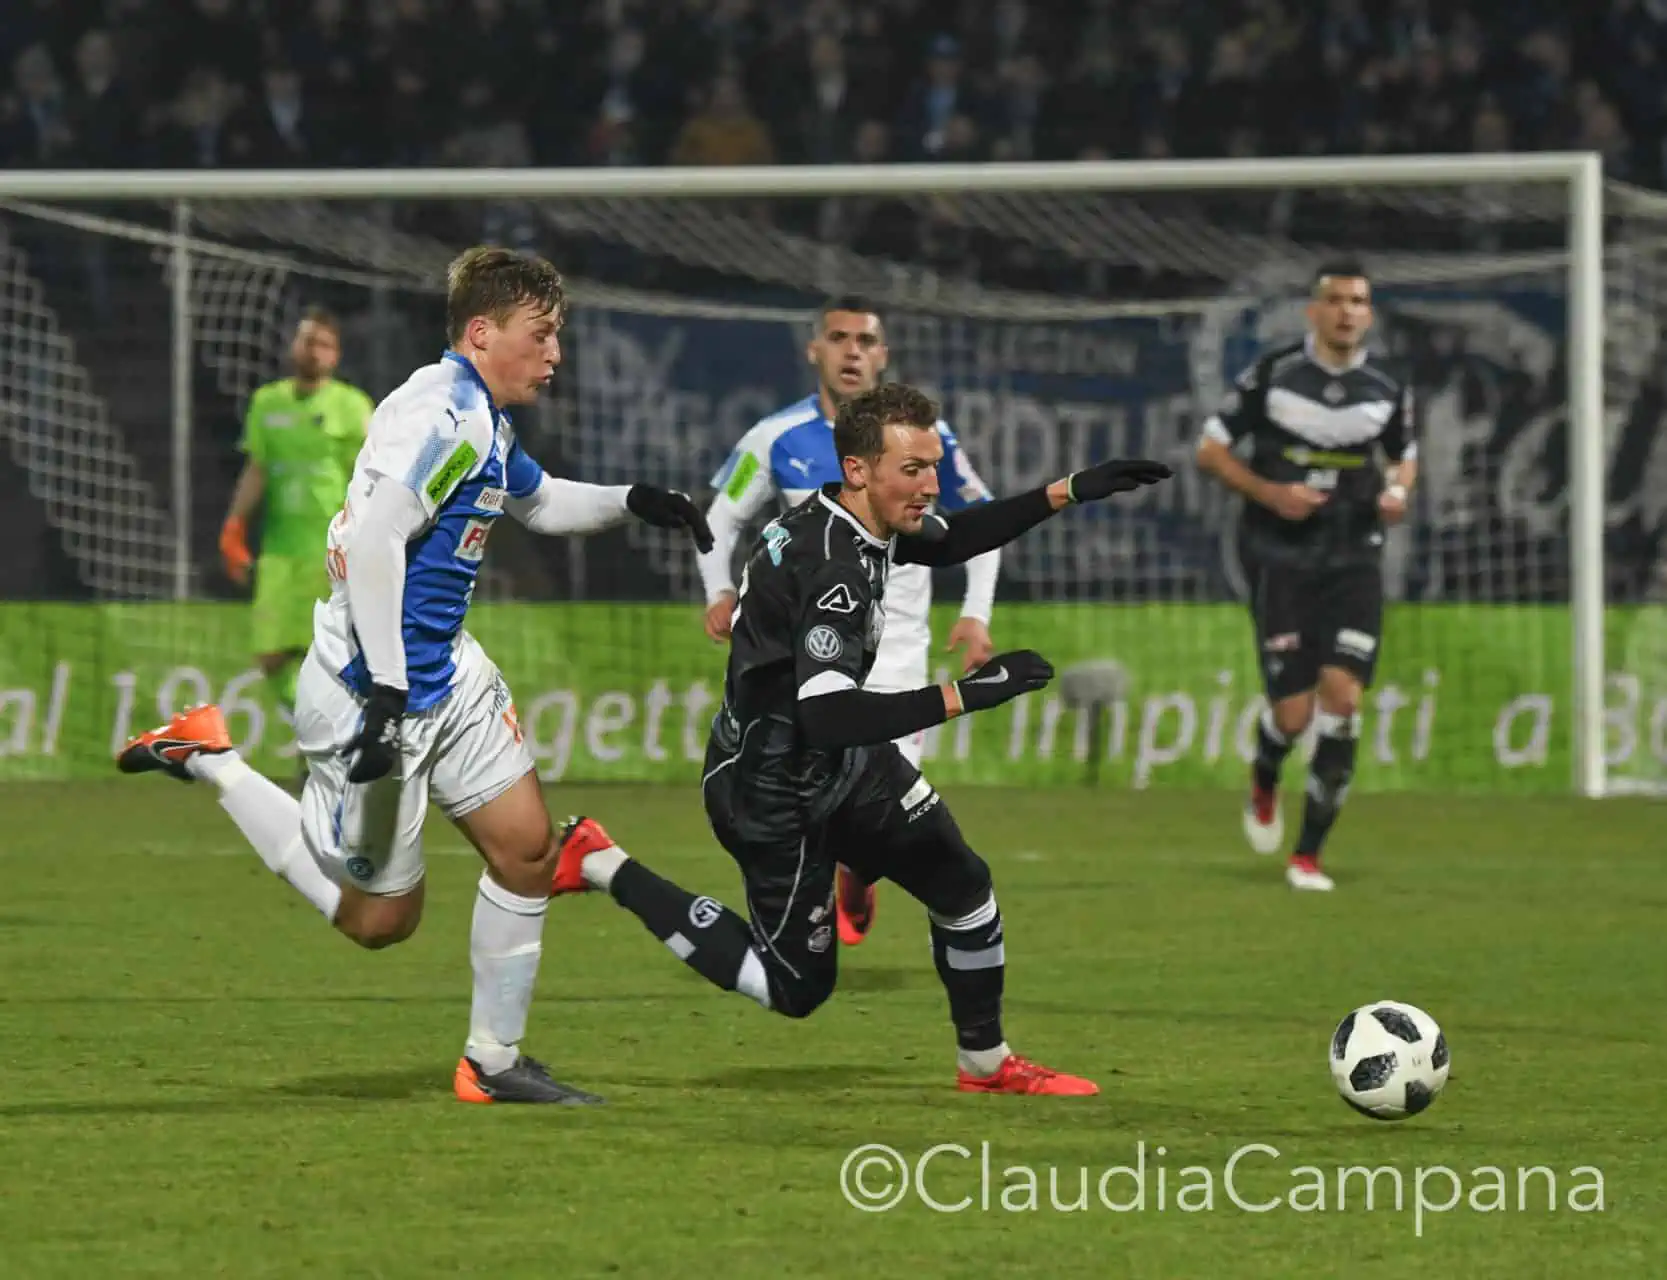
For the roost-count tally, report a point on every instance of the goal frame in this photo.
(1581, 174)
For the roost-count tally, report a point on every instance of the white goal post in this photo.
(1578, 175)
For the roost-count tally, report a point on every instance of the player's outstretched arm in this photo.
(554, 506)
(828, 645)
(993, 524)
(550, 505)
(844, 715)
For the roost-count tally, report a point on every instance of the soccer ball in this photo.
(1389, 1060)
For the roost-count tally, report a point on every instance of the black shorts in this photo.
(891, 825)
(1312, 618)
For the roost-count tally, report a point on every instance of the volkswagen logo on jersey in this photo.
(823, 643)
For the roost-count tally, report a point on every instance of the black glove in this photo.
(669, 509)
(377, 741)
(1004, 676)
(1118, 475)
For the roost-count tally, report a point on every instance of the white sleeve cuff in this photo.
(571, 506)
(825, 682)
(980, 601)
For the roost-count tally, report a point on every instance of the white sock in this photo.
(982, 1062)
(505, 943)
(270, 820)
(752, 980)
(599, 867)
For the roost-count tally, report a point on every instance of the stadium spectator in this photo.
(936, 100)
(35, 119)
(110, 83)
(724, 131)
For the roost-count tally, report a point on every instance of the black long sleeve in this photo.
(976, 530)
(860, 718)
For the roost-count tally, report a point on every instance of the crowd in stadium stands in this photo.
(210, 83)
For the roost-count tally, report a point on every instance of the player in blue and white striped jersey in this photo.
(785, 459)
(396, 704)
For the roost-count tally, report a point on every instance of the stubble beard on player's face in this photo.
(901, 519)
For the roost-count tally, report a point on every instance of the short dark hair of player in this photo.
(852, 302)
(860, 428)
(1339, 269)
(492, 282)
(324, 318)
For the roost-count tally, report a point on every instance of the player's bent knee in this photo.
(376, 923)
(969, 886)
(514, 835)
(794, 997)
(1291, 716)
(957, 884)
(1340, 692)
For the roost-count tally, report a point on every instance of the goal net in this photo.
(1055, 327)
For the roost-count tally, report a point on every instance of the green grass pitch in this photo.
(204, 1081)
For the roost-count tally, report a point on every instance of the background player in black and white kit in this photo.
(1317, 414)
(802, 769)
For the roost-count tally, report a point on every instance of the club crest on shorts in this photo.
(823, 643)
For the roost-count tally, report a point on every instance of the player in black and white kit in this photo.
(1317, 415)
(802, 768)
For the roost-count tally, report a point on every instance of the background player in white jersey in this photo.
(396, 704)
(784, 459)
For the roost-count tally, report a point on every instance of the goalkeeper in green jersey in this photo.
(301, 435)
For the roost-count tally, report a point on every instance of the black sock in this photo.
(1329, 774)
(972, 964)
(1271, 749)
(702, 932)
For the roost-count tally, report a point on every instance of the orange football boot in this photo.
(527, 1080)
(1020, 1075)
(579, 836)
(854, 904)
(168, 747)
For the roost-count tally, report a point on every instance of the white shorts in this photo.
(462, 752)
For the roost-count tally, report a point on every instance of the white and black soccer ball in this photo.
(1389, 1060)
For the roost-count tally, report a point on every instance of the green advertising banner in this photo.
(1467, 697)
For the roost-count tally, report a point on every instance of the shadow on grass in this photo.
(890, 978)
(411, 1081)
